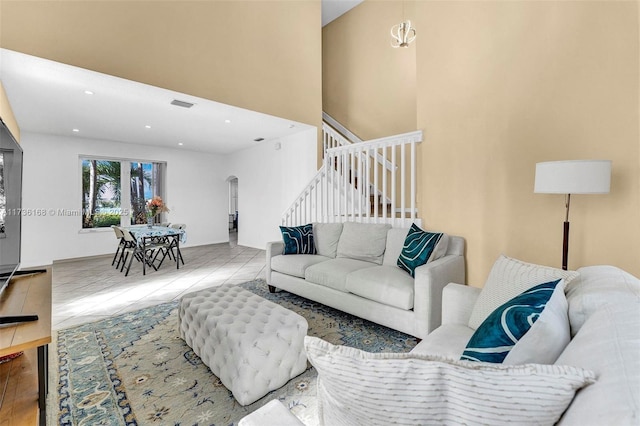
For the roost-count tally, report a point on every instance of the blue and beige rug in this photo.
(134, 369)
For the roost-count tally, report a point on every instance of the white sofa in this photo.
(603, 312)
(355, 270)
(604, 317)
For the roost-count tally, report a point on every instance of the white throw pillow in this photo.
(508, 278)
(361, 388)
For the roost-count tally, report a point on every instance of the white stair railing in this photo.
(372, 182)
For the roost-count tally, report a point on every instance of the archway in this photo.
(233, 209)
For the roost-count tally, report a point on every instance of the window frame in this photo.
(125, 180)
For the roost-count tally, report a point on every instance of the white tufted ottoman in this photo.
(253, 345)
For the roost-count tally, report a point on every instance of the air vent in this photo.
(182, 104)
(258, 139)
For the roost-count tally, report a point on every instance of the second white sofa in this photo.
(355, 270)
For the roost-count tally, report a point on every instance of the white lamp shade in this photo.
(573, 177)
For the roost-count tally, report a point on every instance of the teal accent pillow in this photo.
(501, 331)
(418, 247)
(298, 239)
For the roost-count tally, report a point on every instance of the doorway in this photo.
(233, 209)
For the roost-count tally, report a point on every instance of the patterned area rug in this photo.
(134, 369)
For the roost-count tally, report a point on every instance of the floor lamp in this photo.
(572, 177)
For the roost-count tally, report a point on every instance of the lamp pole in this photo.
(565, 237)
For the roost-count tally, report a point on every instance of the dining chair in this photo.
(121, 245)
(178, 254)
(139, 252)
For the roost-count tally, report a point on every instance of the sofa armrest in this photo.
(430, 280)
(457, 303)
(274, 248)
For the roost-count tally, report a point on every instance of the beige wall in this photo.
(6, 113)
(503, 85)
(260, 55)
(368, 86)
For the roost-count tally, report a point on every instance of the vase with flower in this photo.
(155, 206)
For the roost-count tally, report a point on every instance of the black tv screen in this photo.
(10, 205)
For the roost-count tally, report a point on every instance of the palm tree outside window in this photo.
(114, 192)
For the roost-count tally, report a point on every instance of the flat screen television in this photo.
(10, 205)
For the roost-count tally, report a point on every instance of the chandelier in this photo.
(403, 34)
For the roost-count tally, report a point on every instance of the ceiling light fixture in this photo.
(147, 126)
(88, 92)
(76, 130)
(402, 34)
(180, 143)
(227, 121)
(258, 139)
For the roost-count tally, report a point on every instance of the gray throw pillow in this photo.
(363, 241)
(326, 237)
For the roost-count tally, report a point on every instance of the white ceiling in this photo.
(49, 97)
(333, 9)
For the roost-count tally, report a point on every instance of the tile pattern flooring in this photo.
(91, 289)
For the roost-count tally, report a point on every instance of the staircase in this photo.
(362, 181)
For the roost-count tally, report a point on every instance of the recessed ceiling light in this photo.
(227, 121)
(147, 126)
(76, 130)
(180, 143)
(88, 92)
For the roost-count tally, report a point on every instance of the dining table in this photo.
(146, 235)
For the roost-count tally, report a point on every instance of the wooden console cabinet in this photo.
(23, 399)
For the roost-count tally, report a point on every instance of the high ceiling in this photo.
(59, 99)
(333, 9)
(50, 97)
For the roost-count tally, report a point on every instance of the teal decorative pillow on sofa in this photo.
(419, 247)
(298, 239)
(531, 327)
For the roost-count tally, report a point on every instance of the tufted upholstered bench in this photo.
(253, 345)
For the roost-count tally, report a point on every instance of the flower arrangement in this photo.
(155, 205)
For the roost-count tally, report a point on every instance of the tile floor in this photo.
(91, 289)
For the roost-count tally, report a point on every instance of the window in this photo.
(115, 192)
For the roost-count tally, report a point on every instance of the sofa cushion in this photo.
(393, 246)
(388, 285)
(533, 327)
(508, 278)
(608, 344)
(448, 340)
(326, 237)
(357, 387)
(333, 273)
(295, 265)
(298, 239)
(421, 247)
(598, 286)
(363, 241)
